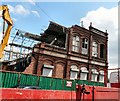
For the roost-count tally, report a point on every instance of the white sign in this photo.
(69, 83)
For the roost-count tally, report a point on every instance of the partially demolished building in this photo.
(72, 53)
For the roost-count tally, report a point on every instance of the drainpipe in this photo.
(67, 45)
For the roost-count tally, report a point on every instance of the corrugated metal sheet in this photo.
(45, 82)
(91, 83)
(10, 79)
(26, 79)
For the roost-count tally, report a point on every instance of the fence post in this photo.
(38, 80)
(78, 93)
(19, 74)
(93, 93)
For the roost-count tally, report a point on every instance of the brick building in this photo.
(72, 53)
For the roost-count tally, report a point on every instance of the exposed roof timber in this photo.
(56, 28)
(32, 36)
(57, 24)
(17, 45)
(28, 35)
(16, 60)
(53, 31)
(50, 27)
(55, 34)
(15, 52)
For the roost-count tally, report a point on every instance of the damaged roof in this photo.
(55, 34)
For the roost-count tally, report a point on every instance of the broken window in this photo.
(6, 56)
(73, 72)
(94, 75)
(75, 43)
(101, 76)
(47, 70)
(102, 51)
(83, 74)
(14, 56)
(94, 49)
(84, 46)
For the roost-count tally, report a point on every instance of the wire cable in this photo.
(43, 11)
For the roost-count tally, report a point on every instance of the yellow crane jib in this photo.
(8, 20)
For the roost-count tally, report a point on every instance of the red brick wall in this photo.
(62, 64)
(30, 68)
(59, 70)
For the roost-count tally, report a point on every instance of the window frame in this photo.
(101, 75)
(84, 44)
(76, 43)
(49, 67)
(71, 73)
(74, 69)
(94, 49)
(94, 73)
(84, 72)
(103, 51)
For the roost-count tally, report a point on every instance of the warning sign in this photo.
(69, 83)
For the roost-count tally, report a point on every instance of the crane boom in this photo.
(8, 20)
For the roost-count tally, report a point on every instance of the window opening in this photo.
(75, 44)
(94, 49)
(84, 46)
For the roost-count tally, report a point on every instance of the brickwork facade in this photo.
(78, 52)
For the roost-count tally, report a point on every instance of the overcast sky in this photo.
(34, 16)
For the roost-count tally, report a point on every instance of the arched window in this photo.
(102, 50)
(101, 76)
(94, 75)
(74, 72)
(94, 49)
(84, 46)
(83, 74)
(75, 43)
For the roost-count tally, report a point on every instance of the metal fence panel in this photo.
(9, 79)
(2, 78)
(57, 84)
(101, 84)
(45, 82)
(27, 79)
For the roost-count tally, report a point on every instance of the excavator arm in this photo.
(8, 20)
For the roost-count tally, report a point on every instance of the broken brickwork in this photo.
(60, 49)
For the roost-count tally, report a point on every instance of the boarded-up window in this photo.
(47, 70)
(59, 70)
(94, 75)
(73, 72)
(83, 74)
(101, 76)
